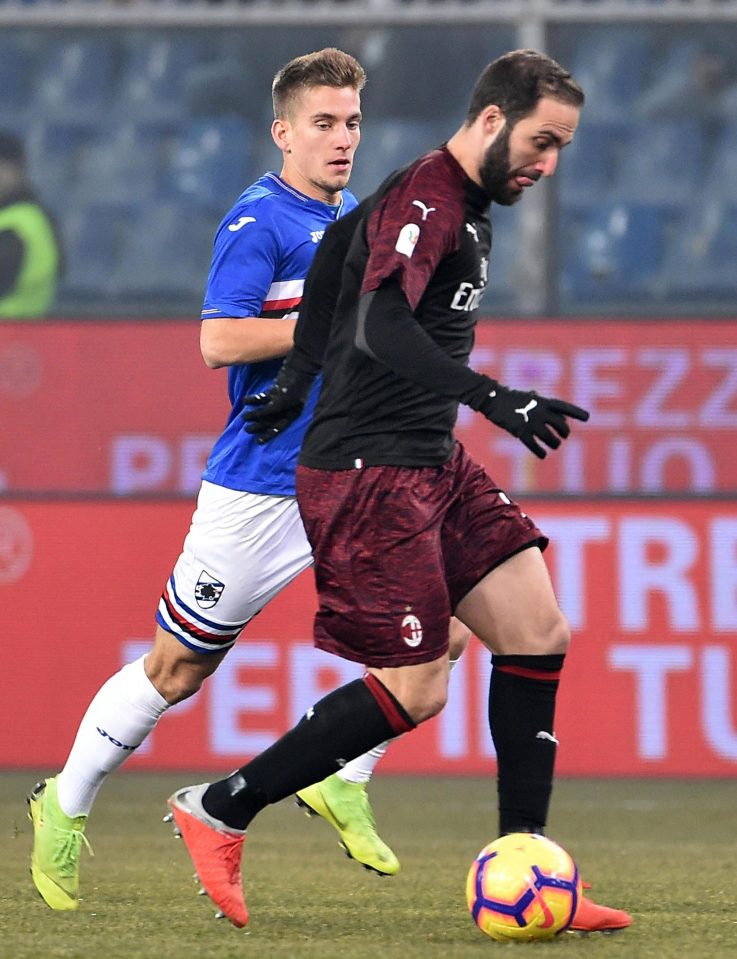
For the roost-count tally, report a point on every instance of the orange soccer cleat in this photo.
(215, 850)
(591, 917)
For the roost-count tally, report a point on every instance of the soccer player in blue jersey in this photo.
(246, 542)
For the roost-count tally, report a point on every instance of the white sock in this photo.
(361, 769)
(118, 719)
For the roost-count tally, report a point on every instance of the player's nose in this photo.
(548, 164)
(345, 137)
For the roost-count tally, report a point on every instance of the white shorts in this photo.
(241, 550)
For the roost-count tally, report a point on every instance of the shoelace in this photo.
(67, 848)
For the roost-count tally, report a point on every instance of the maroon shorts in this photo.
(396, 548)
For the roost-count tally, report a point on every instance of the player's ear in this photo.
(493, 119)
(280, 134)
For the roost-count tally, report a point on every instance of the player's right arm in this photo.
(227, 341)
(245, 318)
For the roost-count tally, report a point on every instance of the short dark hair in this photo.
(517, 81)
(324, 68)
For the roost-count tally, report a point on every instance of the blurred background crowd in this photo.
(139, 133)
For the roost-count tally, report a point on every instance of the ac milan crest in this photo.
(411, 631)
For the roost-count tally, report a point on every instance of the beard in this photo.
(495, 172)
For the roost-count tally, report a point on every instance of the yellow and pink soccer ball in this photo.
(523, 887)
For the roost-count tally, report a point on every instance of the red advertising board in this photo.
(650, 589)
(129, 407)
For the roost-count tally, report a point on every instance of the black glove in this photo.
(529, 416)
(273, 410)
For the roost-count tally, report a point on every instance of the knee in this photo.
(431, 703)
(458, 636)
(558, 636)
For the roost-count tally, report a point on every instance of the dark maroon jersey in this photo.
(427, 232)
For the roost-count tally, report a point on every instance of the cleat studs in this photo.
(168, 817)
(307, 810)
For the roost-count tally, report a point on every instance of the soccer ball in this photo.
(523, 886)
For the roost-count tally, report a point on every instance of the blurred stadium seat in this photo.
(589, 165)
(721, 175)
(165, 254)
(663, 161)
(610, 66)
(209, 163)
(612, 250)
(93, 237)
(388, 144)
(120, 166)
(154, 73)
(15, 82)
(76, 78)
(700, 261)
(55, 149)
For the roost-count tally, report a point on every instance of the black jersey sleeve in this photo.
(270, 412)
(388, 332)
(320, 295)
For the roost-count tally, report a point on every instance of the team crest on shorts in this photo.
(411, 631)
(208, 590)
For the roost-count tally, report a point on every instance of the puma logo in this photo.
(426, 210)
(523, 411)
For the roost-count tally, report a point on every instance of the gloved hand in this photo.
(530, 417)
(272, 411)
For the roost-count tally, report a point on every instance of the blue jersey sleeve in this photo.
(246, 253)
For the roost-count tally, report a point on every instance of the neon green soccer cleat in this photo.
(57, 842)
(346, 807)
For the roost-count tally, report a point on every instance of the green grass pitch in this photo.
(664, 850)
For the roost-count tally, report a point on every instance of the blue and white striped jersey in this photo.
(263, 250)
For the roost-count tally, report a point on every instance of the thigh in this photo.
(379, 567)
(513, 609)
(482, 529)
(241, 550)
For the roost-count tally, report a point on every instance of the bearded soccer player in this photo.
(246, 542)
(406, 529)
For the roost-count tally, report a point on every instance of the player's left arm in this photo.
(388, 331)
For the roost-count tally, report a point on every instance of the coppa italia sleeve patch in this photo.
(407, 239)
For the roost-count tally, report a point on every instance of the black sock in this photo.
(522, 696)
(341, 726)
